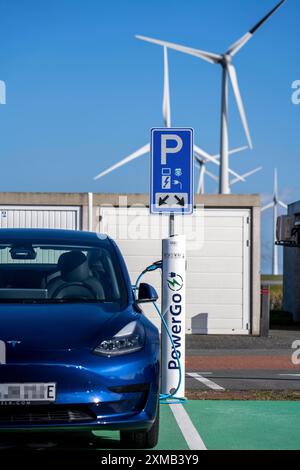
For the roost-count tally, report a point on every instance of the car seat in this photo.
(75, 280)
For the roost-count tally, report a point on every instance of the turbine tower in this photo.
(166, 108)
(228, 73)
(274, 204)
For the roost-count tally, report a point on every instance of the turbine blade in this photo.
(199, 152)
(246, 175)
(265, 18)
(208, 56)
(208, 157)
(268, 206)
(212, 176)
(234, 48)
(282, 204)
(235, 86)
(234, 151)
(244, 39)
(166, 98)
(201, 178)
(238, 150)
(139, 153)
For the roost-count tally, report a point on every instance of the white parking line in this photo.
(209, 383)
(202, 373)
(189, 432)
(289, 375)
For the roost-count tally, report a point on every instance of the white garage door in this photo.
(218, 262)
(59, 217)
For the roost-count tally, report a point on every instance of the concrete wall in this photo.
(291, 273)
(213, 201)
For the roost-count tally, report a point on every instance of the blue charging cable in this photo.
(165, 398)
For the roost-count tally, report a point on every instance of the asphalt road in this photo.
(241, 380)
(243, 363)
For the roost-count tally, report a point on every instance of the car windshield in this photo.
(33, 272)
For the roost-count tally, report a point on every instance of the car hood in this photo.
(59, 326)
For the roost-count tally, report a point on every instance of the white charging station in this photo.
(173, 310)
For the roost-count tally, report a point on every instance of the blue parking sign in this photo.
(172, 171)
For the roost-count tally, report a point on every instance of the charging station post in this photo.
(173, 310)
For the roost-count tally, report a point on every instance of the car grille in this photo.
(44, 414)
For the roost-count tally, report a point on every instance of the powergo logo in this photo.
(175, 284)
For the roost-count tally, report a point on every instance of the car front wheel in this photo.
(141, 439)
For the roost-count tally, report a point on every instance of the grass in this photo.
(247, 395)
(276, 291)
(271, 277)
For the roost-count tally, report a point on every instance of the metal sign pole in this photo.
(171, 225)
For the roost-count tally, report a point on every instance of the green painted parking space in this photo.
(222, 425)
(231, 425)
(247, 425)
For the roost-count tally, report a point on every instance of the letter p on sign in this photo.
(2, 352)
(165, 150)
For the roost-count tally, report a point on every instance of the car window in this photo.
(56, 273)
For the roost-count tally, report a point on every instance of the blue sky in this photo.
(82, 92)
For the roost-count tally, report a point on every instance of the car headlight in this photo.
(129, 339)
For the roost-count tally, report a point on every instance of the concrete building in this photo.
(223, 243)
(291, 271)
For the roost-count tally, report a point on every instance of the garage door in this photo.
(40, 217)
(218, 262)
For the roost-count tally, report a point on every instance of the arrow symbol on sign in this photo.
(163, 201)
(180, 200)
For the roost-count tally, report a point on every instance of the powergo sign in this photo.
(172, 173)
(173, 291)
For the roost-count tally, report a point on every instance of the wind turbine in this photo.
(167, 121)
(228, 73)
(274, 204)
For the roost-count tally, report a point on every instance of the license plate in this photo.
(27, 392)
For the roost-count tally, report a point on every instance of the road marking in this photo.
(206, 381)
(201, 373)
(289, 375)
(189, 432)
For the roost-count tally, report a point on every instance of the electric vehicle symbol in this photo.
(175, 282)
(166, 182)
(176, 182)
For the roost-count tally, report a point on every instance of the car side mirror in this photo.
(146, 294)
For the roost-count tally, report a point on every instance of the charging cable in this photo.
(165, 398)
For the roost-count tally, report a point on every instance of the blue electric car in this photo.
(76, 350)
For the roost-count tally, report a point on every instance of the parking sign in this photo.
(172, 171)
